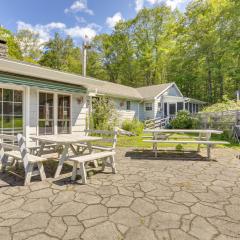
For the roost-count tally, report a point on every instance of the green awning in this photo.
(40, 83)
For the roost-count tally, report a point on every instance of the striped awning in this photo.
(40, 83)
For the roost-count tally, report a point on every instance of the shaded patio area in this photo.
(147, 199)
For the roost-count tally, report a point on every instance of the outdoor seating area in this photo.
(147, 199)
(70, 147)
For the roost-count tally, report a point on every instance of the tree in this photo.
(61, 54)
(14, 50)
(30, 45)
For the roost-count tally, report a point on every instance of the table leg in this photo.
(199, 138)
(41, 149)
(73, 149)
(95, 162)
(61, 160)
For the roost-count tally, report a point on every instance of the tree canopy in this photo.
(199, 50)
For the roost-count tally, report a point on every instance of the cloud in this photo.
(79, 6)
(81, 32)
(112, 21)
(139, 5)
(44, 31)
(173, 4)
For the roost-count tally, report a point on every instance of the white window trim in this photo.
(145, 106)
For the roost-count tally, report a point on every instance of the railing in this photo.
(157, 122)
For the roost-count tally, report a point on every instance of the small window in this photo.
(180, 106)
(148, 106)
(128, 105)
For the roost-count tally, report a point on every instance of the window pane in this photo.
(50, 99)
(7, 122)
(0, 94)
(63, 127)
(49, 127)
(42, 98)
(67, 101)
(8, 95)
(18, 109)
(172, 109)
(18, 96)
(7, 108)
(18, 122)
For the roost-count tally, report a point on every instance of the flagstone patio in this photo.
(148, 199)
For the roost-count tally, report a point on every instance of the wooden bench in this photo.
(208, 143)
(81, 160)
(20, 153)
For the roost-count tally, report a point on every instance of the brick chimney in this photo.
(3, 48)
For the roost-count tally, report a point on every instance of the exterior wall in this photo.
(79, 114)
(149, 114)
(123, 113)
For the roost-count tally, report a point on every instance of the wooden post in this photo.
(27, 114)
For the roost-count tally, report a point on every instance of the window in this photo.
(128, 105)
(11, 111)
(197, 108)
(194, 108)
(148, 106)
(186, 106)
(46, 119)
(64, 114)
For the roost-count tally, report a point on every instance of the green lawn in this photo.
(137, 141)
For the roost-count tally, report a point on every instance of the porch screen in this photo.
(11, 111)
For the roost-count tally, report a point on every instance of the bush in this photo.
(225, 105)
(104, 116)
(184, 120)
(133, 126)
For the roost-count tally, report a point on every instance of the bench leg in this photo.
(83, 173)
(104, 164)
(41, 171)
(112, 161)
(74, 171)
(28, 176)
(208, 152)
(61, 161)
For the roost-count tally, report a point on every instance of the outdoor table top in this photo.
(65, 138)
(182, 131)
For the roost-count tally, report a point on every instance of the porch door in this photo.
(172, 109)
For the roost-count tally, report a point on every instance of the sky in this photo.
(77, 18)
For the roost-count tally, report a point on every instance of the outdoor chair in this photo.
(20, 153)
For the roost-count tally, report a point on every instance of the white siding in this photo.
(79, 113)
(123, 113)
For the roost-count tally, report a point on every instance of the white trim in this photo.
(27, 113)
(12, 86)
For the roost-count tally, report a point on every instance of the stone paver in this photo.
(146, 200)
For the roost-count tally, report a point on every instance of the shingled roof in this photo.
(91, 84)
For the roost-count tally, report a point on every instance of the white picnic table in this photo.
(203, 138)
(67, 141)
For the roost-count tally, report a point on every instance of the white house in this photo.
(37, 100)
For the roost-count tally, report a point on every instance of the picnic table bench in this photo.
(203, 138)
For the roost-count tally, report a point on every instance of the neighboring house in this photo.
(37, 100)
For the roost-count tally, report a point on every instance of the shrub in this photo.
(104, 116)
(184, 120)
(225, 105)
(133, 126)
